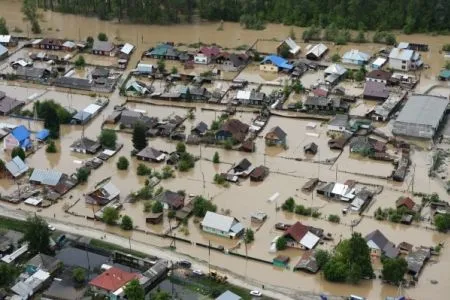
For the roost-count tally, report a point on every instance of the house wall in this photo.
(223, 135)
(398, 64)
(375, 252)
(414, 130)
(376, 80)
(216, 231)
(353, 61)
(336, 128)
(268, 68)
(201, 59)
(10, 142)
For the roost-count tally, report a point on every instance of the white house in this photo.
(404, 59)
(355, 57)
(222, 225)
(202, 59)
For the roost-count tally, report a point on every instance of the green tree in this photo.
(186, 162)
(29, 9)
(42, 109)
(3, 28)
(134, 291)
(102, 37)
(446, 48)
(335, 270)
(394, 269)
(110, 215)
(201, 206)
(181, 147)
(83, 174)
(122, 163)
(288, 205)
(51, 147)
(80, 62)
(390, 39)
(127, 223)
(322, 257)
(249, 236)
(79, 275)
(143, 170)
(139, 136)
(108, 138)
(174, 70)
(37, 234)
(157, 207)
(90, 41)
(284, 51)
(442, 222)
(51, 122)
(17, 151)
(361, 37)
(161, 295)
(8, 274)
(161, 65)
(216, 158)
(359, 76)
(281, 243)
(334, 218)
(228, 144)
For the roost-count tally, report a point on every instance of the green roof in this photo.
(445, 74)
(160, 49)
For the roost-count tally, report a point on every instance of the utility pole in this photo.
(209, 257)
(337, 167)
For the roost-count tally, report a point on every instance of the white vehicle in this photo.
(51, 227)
(197, 272)
(256, 293)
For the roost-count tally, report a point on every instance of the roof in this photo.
(380, 61)
(217, 221)
(109, 190)
(21, 133)
(113, 279)
(151, 153)
(376, 89)
(210, 51)
(30, 72)
(445, 74)
(100, 72)
(356, 55)
(379, 74)
(339, 120)
(144, 68)
(43, 134)
(92, 108)
(403, 45)
(307, 262)
(127, 48)
(293, 47)
(44, 262)
(416, 259)
(201, 127)
(311, 147)
(73, 82)
(377, 240)
(401, 54)
(278, 132)
(309, 240)
(3, 50)
(227, 295)
(243, 95)
(171, 198)
(297, 231)
(5, 38)
(69, 44)
(47, 177)
(318, 50)
(405, 201)
(102, 46)
(317, 101)
(423, 110)
(278, 61)
(7, 104)
(336, 69)
(16, 166)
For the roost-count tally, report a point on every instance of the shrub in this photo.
(281, 243)
(122, 163)
(334, 218)
(51, 147)
(127, 223)
(102, 37)
(288, 205)
(143, 170)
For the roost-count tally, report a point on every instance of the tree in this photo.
(174, 70)
(284, 51)
(249, 236)
(127, 223)
(335, 270)
(359, 76)
(37, 235)
(110, 215)
(292, 33)
(336, 57)
(322, 257)
(90, 41)
(161, 65)
(3, 28)
(186, 162)
(288, 205)
(157, 207)
(8, 274)
(108, 138)
(79, 275)
(122, 163)
(442, 222)
(51, 122)
(143, 170)
(161, 295)
(134, 290)
(334, 218)
(181, 147)
(80, 62)
(139, 136)
(18, 151)
(361, 37)
(202, 206)
(394, 269)
(51, 147)
(281, 243)
(390, 39)
(102, 37)
(216, 158)
(83, 174)
(29, 9)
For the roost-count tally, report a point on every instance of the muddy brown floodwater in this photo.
(288, 173)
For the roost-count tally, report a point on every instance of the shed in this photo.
(317, 52)
(311, 148)
(127, 49)
(154, 218)
(16, 167)
(307, 263)
(281, 261)
(259, 173)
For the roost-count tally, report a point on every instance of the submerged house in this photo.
(379, 245)
(317, 52)
(16, 167)
(343, 192)
(7, 104)
(103, 194)
(111, 282)
(171, 200)
(222, 225)
(250, 97)
(19, 137)
(103, 48)
(232, 62)
(307, 263)
(408, 204)
(275, 136)
(274, 63)
(375, 91)
(242, 169)
(85, 146)
(232, 129)
(416, 260)
(206, 55)
(355, 57)
(334, 73)
(46, 177)
(404, 59)
(290, 44)
(200, 129)
(151, 154)
(300, 236)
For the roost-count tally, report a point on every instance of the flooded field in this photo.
(289, 168)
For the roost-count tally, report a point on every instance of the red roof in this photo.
(113, 279)
(320, 92)
(297, 231)
(407, 202)
(210, 51)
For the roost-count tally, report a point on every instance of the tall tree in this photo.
(37, 234)
(3, 28)
(51, 122)
(139, 136)
(134, 290)
(394, 269)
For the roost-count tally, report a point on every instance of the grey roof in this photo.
(16, 166)
(35, 73)
(387, 247)
(401, 54)
(102, 46)
(318, 50)
(44, 262)
(201, 127)
(100, 72)
(278, 132)
(86, 144)
(339, 120)
(130, 117)
(227, 295)
(150, 153)
(317, 101)
(423, 110)
(8, 104)
(3, 50)
(376, 90)
(72, 82)
(47, 177)
(417, 259)
(219, 222)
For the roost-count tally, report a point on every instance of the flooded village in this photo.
(304, 142)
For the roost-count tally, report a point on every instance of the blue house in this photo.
(42, 135)
(19, 137)
(355, 57)
(274, 63)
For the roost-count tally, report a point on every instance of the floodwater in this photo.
(290, 168)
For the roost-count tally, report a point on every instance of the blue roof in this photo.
(445, 74)
(278, 61)
(21, 133)
(43, 134)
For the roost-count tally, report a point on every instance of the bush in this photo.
(186, 162)
(157, 207)
(108, 138)
(79, 275)
(110, 215)
(127, 223)
(288, 205)
(334, 218)
(51, 147)
(216, 158)
(336, 57)
(181, 147)
(303, 211)
(83, 174)
(281, 243)
(102, 37)
(143, 170)
(80, 62)
(201, 206)
(442, 222)
(17, 151)
(122, 163)
(148, 207)
(249, 236)
(228, 144)
(167, 172)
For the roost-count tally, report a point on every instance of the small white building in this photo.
(404, 59)
(222, 225)
(378, 63)
(202, 59)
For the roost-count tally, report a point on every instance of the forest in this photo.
(407, 15)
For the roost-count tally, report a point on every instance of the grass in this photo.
(12, 224)
(112, 247)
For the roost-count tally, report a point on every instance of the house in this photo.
(231, 62)
(144, 69)
(250, 97)
(50, 44)
(259, 173)
(198, 94)
(4, 52)
(200, 129)
(375, 91)
(18, 137)
(343, 192)
(222, 225)
(129, 118)
(111, 281)
(325, 104)
(310, 148)
(100, 73)
(404, 59)
(317, 52)
(421, 116)
(8, 105)
(290, 44)
(137, 87)
(379, 76)
(42, 135)
(151, 154)
(334, 73)
(8, 41)
(46, 177)
(163, 51)
(299, 236)
(416, 260)
(379, 245)
(310, 185)
(16, 167)
(408, 204)
(275, 136)
(103, 48)
(307, 263)
(444, 75)
(385, 110)
(69, 46)
(378, 63)
(31, 73)
(171, 199)
(361, 200)
(154, 218)
(338, 123)
(104, 193)
(366, 146)
(281, 261)
(206, 55)
(258, 217)
(232, 129)
(405, 247)
(127, 49)
(43, 262)
(242, 169)
(274, 63)
(29, 285)
(86, 146)
(355, 57)
(227, 295)
(320, 92)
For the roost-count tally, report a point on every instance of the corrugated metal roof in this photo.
(356, 55)
(424, 110)
(402, 54)
(5, 38)
(216, 221)
(16, 166)
(127, 48)
(47, 177)
(3, 50)
(92, 108)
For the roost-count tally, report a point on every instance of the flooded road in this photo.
(290, 168)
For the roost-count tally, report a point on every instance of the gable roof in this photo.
(336, 69)
(293, 47)
(219, 222)
(151, 153)
(318, 50)
(21, 133)
(357, 55)
(127, 48)
(47, 177)
(228, 295)
(376, 89)
(210, 51)
(377, 240)
(407, 202)
(201, 127)
(278, 61)
(401, 54)
(43, 134)
(113, 279)
(44, 262)
(102, 46)
(379, 74)
(171, 198)
(16, 166)
(297, 231)
(3, 50)
(423, 110)
(278, 132)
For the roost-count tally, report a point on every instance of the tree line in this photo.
(408, 15)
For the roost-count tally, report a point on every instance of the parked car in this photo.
(51, 227)
(185, 264)
(256, 293)
(197, 272)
